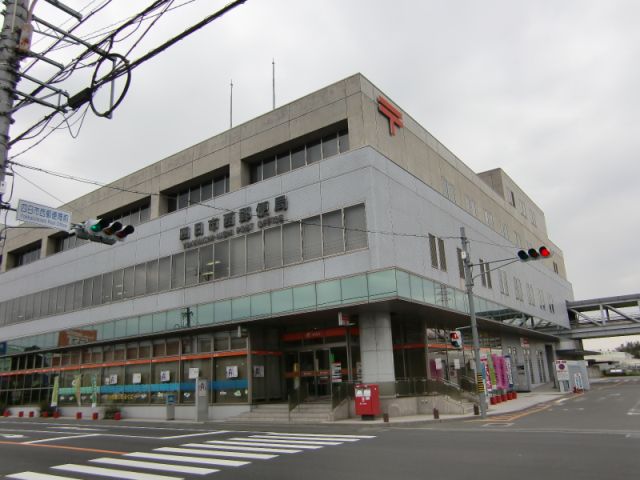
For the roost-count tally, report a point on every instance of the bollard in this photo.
(117, 416)
(78, 415)
(515, 395)
(436, 414)
(492, 400)
(385, 417)
(7, 413)
(503, 397)
(31, 414)
(21, 414)
(476, 409)
(44, 414)
(56, 414)
(94, 415)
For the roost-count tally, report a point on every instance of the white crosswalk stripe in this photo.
(216, 453)
(254, 442)
(37, 476)
(290, 442)
(187, 459)
(110, 472)
(155, 466)
(312, 435)
(236, 452)
(244, 448)
(320, 439)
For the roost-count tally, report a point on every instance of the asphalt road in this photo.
(590, 436)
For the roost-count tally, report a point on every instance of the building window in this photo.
(488, 218)
(512, 198)
(532, 217)
(541, 302)
(555, 268)
(449, 190)
(25, 255)
(472, 208)
(215, 184)
(505, 231)
(504, 284)
(438, 256)
(523, 208)
(531, 297)
(289, 158)
(517, 287)
(327, 234)
(552, 307)
(485, 274)
(460, 263)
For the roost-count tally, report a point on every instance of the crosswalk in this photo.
(194, 459)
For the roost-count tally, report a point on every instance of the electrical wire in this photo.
(193, 203)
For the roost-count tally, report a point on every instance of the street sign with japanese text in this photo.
(37, 214)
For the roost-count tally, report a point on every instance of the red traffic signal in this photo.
(533, 254)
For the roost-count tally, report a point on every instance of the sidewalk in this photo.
(525, 400)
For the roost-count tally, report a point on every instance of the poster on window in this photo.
(456, 363)
(231, 371)
(136, 378)
(194, 373)
(113, 379)
(165, 375)
(258, 371)
(336, 372)
(438, 364)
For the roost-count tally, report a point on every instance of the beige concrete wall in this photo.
(353, 99)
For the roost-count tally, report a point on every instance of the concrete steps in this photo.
(309, 413)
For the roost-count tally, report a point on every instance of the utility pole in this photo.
(468, 281)
(15, 16)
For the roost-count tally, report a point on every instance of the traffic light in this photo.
(102, 231)
(533, 254)
(455, 338)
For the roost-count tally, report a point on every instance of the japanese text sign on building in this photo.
(235, 222)
(40, 215)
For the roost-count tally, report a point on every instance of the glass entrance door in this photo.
(314, 372)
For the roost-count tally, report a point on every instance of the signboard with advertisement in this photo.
(336, 372)
(76, 337)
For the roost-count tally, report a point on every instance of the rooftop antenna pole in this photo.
(273, 76)
(231, 106)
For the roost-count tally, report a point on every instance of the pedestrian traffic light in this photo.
(455, 338)
(102, 231)
(533, 254)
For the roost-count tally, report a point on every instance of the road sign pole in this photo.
(468, 280)
(15, 16)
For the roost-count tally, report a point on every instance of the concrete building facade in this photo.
(250, 245)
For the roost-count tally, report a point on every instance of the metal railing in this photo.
(341, 392)
(298, 396)
(424, 386)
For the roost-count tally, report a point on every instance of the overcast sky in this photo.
(546, 90)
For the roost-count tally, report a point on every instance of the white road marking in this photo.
(635, 410)
(497, 424)
(182, 458)
(63, 438)
(247, 442)
(83, 429)
(223, 444)
(323, 439)
(110, 472)
(37, 476)
(320, 435)
(155, 466)
(214, 453)
(260, 438)
(11, 435)
(216, 432)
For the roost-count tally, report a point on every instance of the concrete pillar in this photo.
(376, 351)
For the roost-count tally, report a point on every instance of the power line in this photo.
(220, 209)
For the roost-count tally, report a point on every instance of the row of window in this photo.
(519, 293)
(311, 238)
(292, 158)
(212, 187)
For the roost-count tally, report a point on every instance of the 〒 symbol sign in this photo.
(393, 114)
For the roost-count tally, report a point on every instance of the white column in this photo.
(376, 348)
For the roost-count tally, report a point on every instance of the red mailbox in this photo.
(367, 401)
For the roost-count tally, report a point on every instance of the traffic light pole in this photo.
(468, 280)
(15, 16)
